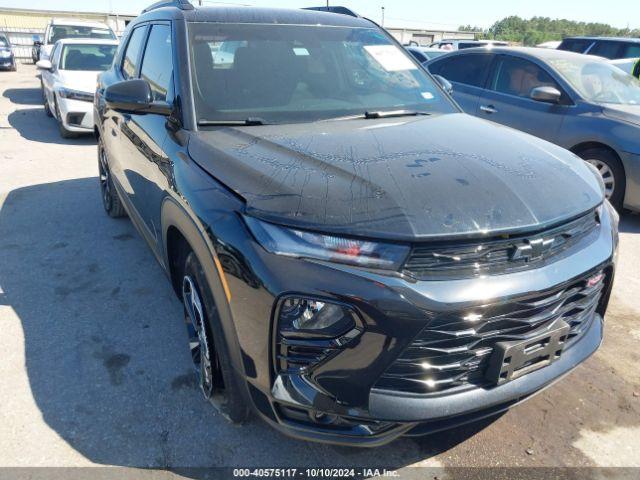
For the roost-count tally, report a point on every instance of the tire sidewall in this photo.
(614, 163)
(231, 403)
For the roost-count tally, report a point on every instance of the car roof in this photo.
(543, 54)
(87, 41)
(260, 15)
(610, 39)
(73, 22)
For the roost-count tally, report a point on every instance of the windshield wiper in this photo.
(248, 122)
(394, 113)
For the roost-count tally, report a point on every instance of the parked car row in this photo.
(357, 258)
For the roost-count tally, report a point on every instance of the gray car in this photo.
(579, 102)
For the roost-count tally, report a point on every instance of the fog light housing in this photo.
(300, 317)
(310, 331)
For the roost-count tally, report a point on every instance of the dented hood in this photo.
(402, 179)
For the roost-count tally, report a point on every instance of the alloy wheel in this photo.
(105, 180)
(607, 176)
(203, 354)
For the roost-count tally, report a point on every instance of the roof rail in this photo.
(340, 10)
(181, 4)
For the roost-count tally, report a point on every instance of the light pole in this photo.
(382, 16)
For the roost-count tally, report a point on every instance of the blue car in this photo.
(7, 59)
(579, 102)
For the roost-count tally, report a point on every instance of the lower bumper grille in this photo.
(454, 349)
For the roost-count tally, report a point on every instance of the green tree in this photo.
(543, 29)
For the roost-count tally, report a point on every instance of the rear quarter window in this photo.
(469, 70)
(575, 45)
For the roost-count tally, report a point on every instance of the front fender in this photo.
(175, 215)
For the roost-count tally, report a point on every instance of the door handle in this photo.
(488, 109)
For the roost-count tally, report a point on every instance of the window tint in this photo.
(418, 55)
(463, 45)
(466, 69)
(609, 50)
(157, 66)
(132, 54)
(575, 45)
(631, 50)
(516, 76)
(60, 32)
(293, 73)
(91, 58)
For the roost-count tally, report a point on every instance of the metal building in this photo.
(21, 25)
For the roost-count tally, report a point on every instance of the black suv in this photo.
(357, 259)
(611, 48)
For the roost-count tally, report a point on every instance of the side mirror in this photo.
(134, 96)
(546, 95)
(44, 65)
(444, 83)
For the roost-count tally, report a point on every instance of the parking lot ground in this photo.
(95, 369)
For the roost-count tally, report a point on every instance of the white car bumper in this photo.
(77, 116)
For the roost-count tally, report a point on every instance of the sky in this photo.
(404, 13)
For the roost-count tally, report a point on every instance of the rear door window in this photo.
(132, 54)
(469, 70)
(611, 50)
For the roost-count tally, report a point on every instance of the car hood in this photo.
(402, 179)
(77, 80)
(625, 113)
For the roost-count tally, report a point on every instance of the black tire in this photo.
(45, 102)
(64, 133)
(612, 170)
(217, 380)
(110, 199)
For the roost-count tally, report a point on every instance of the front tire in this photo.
(612, 172)
(64, 133)
(110, 199)
(209, 352)
(45, 101)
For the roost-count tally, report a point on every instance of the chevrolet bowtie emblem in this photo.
(533, 249)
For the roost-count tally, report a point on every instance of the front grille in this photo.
(497, 256)
(453, 351)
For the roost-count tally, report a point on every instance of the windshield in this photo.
(3, 42)
(91, 58)
(290, 73)
(60, 32)
(598, 81)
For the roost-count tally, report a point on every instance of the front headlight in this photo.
(5, 53)
(75, 95)
(303, 244)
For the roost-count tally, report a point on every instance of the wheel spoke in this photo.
(607, 175)
(199, 342)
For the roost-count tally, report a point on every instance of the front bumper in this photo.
(77, 116)
(7, 63)
(393, 311)
(398, 415)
